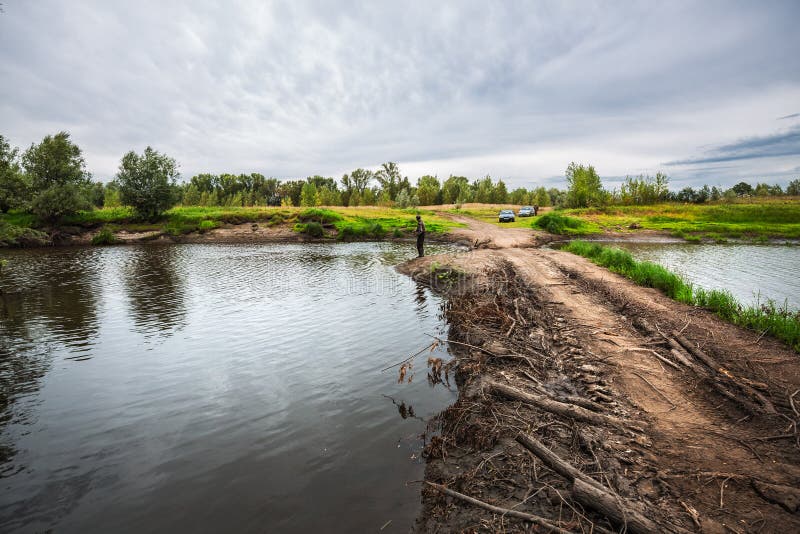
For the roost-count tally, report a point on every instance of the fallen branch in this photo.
(498, 510)
(613, 507)
(551, 460)
(560, 408)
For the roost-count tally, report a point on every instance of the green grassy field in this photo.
(771, 318)
(344, 223)
(762, 219)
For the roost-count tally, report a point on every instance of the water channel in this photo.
(212, 388)
(752, 273)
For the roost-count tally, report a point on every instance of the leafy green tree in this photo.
(456, 189)
(389, 178)
(429, 190)
(540, 197)
(111, 196)
(191, 196)
(584, 188)
(483, 189)
(58, 177)
(308, 195)
(403, 199)
(499, 193)
(793, 189)
(742, 189)
(14, 187)
(148, 182)
(59, 201)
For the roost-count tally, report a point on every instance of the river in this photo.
(211, 388)
(752, 273)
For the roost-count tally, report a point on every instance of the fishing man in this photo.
(420, 236)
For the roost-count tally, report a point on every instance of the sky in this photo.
(706, 92)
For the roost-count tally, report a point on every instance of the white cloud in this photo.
(514, 90)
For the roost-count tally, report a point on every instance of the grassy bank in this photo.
(777, 321)
(753, 219)
(336, 222)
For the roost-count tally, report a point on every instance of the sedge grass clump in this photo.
(207, 225)
(320, 215)
(770, 318)
(104, 237)
(561, 224)
(311, 229)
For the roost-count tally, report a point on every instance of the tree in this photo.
(308, 195)
(742, 189)
(429, 190)
(58, 177)
(793, 189)
(499, 193)
(14, 188)
(389, 178)
(584, 188)
(148, 182)
(456, 189)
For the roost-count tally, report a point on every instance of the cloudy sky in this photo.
(708, 92)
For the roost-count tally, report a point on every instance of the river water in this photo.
(211, 388)
(752, 273)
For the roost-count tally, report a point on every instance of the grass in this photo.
(104, 237)
(556, 223)
(364, 222)
(778, 321)
(755, 219)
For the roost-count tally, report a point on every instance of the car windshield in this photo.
(506, 212)
(526, 208)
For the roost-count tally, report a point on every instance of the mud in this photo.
(701, 450)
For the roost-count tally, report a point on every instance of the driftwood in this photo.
(721, 374)
(551, 460)
(679, 353)
(590, 492)
(567, 410)
(613, 507)
(498, 510)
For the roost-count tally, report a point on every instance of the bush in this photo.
(147, 182)
(104, 237)
(312, 229)
(12, 235)
(59, 201)
(559, 224)
(322, 216)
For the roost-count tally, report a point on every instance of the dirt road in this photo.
(698, 419)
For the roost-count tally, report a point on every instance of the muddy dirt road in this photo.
(587, 403)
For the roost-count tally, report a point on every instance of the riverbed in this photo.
(212, 388)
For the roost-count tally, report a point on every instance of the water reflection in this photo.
(155, 289)
(48, 299)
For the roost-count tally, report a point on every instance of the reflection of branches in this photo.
(406, 410)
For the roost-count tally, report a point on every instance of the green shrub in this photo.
(560, 224)
(12, 235)
(321, 216)
(104, 237)
(313, 229)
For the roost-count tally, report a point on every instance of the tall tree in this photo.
(429, 190)
(148, 182)
(584, 188)
(58, 177)
(389, 178)
(14, 189)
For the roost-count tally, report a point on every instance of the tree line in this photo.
(50, 180)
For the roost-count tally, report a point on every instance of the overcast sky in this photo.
(708, 92)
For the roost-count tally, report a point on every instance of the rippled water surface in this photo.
(750, 272)
(211, 388)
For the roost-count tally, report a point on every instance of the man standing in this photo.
(420, 236)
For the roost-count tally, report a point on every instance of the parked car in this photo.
(506, 216)
(526, 211)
